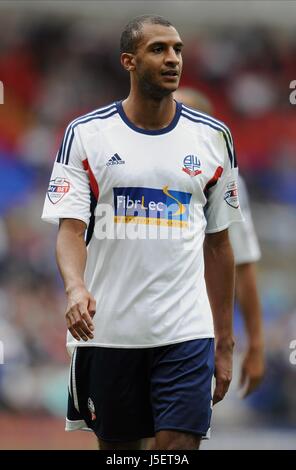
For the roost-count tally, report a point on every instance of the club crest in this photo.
(91, 407)
(191, 165)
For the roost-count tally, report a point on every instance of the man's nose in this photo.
(172, 57)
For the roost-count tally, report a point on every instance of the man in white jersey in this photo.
(246, 252)
(154, 184)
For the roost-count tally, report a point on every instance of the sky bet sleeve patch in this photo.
(231, 195)
(57, 189)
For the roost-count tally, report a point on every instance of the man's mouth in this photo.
(170, 73)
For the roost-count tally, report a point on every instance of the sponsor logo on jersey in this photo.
(231, 195)
(151, 206)
(57, 189)
(115, 160)
(92, 410)
(191, 165)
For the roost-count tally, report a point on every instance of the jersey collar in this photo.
(164, 130)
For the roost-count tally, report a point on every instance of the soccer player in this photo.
(246, 252)
(149, 185)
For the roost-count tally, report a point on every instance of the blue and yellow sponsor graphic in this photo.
(151, 206)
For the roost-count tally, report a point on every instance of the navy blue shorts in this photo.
(129, 394)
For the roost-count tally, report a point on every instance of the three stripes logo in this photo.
(115, 160)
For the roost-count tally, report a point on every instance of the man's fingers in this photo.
(85, 322)
(80, 311)
(70, 322)
(244, 387)
(87, 318)
(218, 396)
(82, 326)
(252, 371)
(220, 390)
(74, 334)
(249, 381)
(78, 333)
(92, 306)
(251, 385)
(81, 333)
(79, 324)
(70, 319)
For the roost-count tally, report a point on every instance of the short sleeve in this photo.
(243, 236)
(68, 193)
(222, 208)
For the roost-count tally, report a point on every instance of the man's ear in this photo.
(128, 61)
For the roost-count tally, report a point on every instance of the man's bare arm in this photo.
(252, 368)
(219, 276)
(71, 256)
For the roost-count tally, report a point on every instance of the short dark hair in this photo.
(132, 33)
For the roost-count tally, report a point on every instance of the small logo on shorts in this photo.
(91, 407)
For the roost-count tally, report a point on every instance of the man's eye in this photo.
(157, 49)
(178, 50)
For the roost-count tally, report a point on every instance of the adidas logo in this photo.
(115, 160)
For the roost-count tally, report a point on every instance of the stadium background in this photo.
(61, 59)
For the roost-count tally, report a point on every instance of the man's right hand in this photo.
(223, 368)
(79, 313)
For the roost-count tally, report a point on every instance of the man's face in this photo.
(158, 60)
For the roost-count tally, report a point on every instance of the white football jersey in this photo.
(147, 197)
(243, 237)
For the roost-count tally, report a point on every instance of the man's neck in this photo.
(148, 113)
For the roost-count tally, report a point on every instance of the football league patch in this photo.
(57, 189)
(231, 195)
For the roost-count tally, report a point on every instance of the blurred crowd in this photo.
(55, 69)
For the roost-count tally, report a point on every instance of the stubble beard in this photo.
(150, 89)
